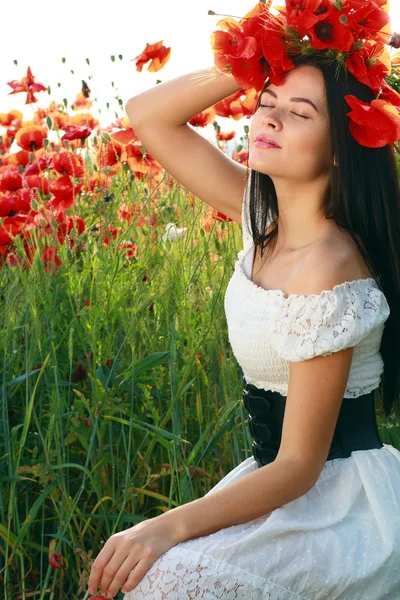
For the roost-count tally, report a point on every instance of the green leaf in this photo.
(31, 516)
(150, 362)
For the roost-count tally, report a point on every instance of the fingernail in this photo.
(91, 590)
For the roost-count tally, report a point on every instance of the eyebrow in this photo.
(295, 99)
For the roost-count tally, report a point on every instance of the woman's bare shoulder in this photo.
(339, 248)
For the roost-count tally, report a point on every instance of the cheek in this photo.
(316, 145)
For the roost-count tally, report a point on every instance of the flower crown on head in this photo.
(350, 33)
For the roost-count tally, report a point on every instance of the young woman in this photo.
(314, 514)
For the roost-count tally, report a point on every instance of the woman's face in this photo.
(301, 130)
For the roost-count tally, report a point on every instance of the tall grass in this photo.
(120, 397)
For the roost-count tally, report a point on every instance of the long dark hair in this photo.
(363, 198)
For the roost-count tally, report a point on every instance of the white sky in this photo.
(39, 34)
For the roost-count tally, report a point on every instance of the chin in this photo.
(265, 167)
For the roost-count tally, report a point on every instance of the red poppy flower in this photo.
(235, 107)
(219, 216)
(64, 192)
(204, 118)
(237, 51)
(368, 20)
(73, 132)
(301, 13)
(11, 180)
(125, 136)
(66, 224)
(6, 119)
(82, 98)
(252, 49)
(16, 204)
(83, 119)
(330, 32)
(28, 85)
(69, 163)
(274, 50)
(109, 155)
(225, 136)
(38, 166)
(7, 205)
(242, 156)
(51, 259)
(19, 158)
(53, 560)
(128, 249)
(22, 204)
(38, 182)
(30, 137)
(373, 125)
(157, 53)
(366, 66)
(389, 94)
(10, 227)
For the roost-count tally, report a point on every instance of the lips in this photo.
(268, 139)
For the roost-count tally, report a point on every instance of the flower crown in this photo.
(350, 33)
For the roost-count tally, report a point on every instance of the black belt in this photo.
(356, 427)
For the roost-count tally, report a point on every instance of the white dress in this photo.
(340, 540)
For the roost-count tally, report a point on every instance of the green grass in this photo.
(147, 362)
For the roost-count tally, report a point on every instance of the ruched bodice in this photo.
(267, 330)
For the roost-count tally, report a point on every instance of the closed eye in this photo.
(293, 113)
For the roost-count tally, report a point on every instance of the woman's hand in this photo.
(128, 555)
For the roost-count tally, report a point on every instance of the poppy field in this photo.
(120, 395)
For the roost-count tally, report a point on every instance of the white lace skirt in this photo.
(340, 541)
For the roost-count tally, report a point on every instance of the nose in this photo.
(272, 120)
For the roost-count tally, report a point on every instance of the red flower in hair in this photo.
(253, 49)
(367, 21)
(373, 125)
(366, 66)
(300, 13)
(330, 32)
(390, 95)
(274, 50)
(236, 51)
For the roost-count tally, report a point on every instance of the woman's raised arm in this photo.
(160, 118)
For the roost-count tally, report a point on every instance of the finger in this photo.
(115, 573)
(98, 566)
(120, 576)
(137, 574)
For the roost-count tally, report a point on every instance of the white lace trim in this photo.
(180, 574)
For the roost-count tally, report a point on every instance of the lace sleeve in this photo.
(320, 324)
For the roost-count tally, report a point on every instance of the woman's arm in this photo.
(251, 497)
(178, 100)
(159, 118)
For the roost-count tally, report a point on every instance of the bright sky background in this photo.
(39, 34)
